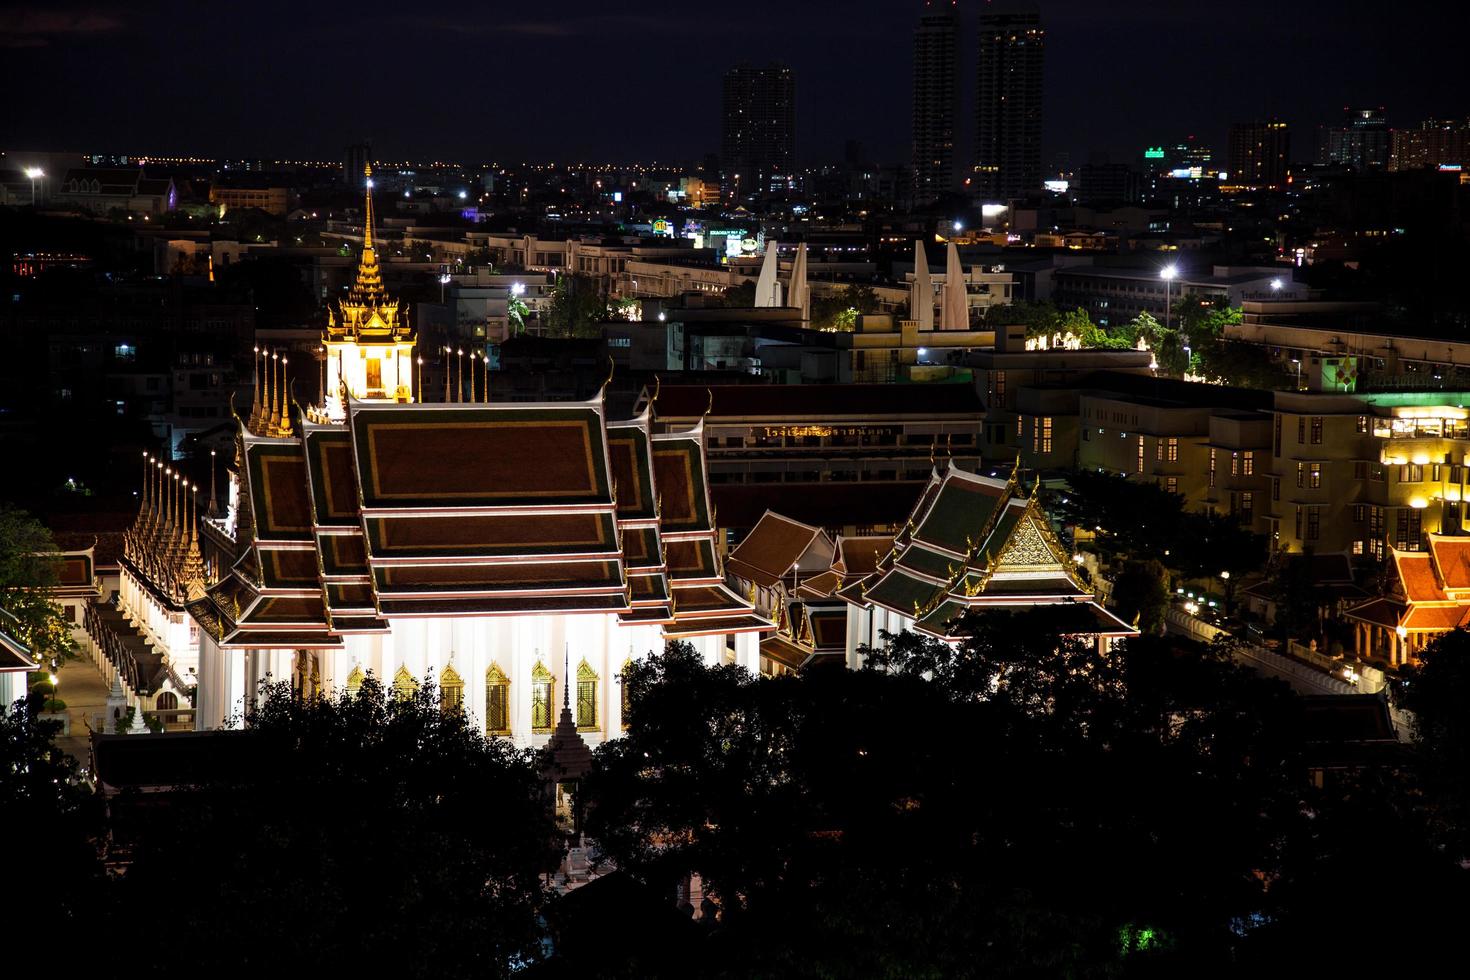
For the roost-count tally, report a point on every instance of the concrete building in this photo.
(1032, 411)
(1207, 443)
(1008, 111)
(936, 77)
(1114, 296)
(99, 190)
(1361, 141)
(263, 195)
(850, 458)
(758, 146)
(1259, 155)
(1433, 143)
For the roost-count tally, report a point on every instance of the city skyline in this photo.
(1116, 79)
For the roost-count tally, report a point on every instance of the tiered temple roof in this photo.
(459, 509)
(1428, 591)
(974, 542)
(162, 546)
(702, 603)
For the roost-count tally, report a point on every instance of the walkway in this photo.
(85, 694)
(1303, 678)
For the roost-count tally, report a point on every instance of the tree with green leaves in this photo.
(374, 832)
(1141, 594)
(1073, 849)
(576, 308)
(28, 574)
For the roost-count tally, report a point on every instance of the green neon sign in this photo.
(1153, 153)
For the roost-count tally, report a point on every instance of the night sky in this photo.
(641, 81)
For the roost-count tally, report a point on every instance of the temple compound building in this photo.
(514, 553)
(1427, 594)
(971, 543)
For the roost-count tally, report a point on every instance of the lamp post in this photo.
(1225, 577)
(34, 173)
(1167, 273)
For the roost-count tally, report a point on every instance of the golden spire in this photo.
(369, 278)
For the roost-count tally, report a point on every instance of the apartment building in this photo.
(1361, 473)
(1208, 443)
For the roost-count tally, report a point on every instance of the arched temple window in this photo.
(497, 701)
(451, 691)
(586, 697)
(543, 690)
(306, 675)
(403, 683)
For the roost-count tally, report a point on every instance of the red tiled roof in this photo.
(1418, 578)
(771, 549)
(859, 555)
(1383, 612)
(1436, 618)
(1452, 556)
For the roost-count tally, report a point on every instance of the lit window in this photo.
(586, 697)
(451, 691)
(543, 686)
(497, 701)
(403, 683)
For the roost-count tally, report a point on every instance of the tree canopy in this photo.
(372, 832)
(576, 308)
(28, 571)
(1018, 803)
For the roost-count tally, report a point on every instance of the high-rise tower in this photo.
(1008, 113)
(936, 39)
(1260, 154)
(759, 147)
(1361, 142)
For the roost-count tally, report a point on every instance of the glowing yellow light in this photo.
(1418, 503)
(1421, 459)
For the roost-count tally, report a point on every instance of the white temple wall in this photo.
(227, 679)
(221, 694)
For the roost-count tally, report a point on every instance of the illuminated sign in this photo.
(662, 227)
(824, 431)
(1056, 186)
(1153, 153)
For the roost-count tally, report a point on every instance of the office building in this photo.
(759, 147)
(936, 41)
(1008, 113)
(1434, 143)
(1260, 155)
(1360, 142)
(354, 162)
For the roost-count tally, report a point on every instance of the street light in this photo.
(1167, 273)
(1275, 285)
(34, 173)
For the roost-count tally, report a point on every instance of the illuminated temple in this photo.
(971, 543)
(520, 554)
(515, 553)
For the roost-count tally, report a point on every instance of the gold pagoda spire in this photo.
(369, 283)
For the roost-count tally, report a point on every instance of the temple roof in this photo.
(775, 547)
(974, 542)
(469, 510)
